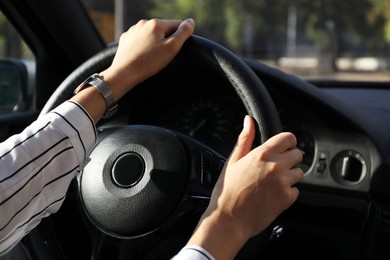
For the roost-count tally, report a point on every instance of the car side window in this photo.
(17, 71)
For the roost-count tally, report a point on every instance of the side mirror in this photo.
(14, 92)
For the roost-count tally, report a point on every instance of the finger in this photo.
(291, 158)
(291, 179)
(158, 28)
(178, 31)
(295, 175)
(181, 33)
(245, 140)
(281, 142)
(293, 193)
(184, 30)
(169, 26)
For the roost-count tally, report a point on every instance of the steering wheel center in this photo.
(140, 185)
(128, 170)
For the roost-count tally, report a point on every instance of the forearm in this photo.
(37, 166)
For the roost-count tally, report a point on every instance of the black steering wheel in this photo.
(145, 187)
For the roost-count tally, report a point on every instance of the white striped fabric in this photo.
(37, 166)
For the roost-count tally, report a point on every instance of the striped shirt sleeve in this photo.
(193, 252)
(37, 166)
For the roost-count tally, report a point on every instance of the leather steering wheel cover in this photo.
(246, 83)
(64, 91)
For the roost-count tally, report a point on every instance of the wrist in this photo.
(105, 91)
(219, 234)
(120, 82)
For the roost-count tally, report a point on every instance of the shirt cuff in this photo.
(77, 124)
(193, 252)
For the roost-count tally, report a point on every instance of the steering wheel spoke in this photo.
(205, 165)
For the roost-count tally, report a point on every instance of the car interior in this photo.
(200, 98)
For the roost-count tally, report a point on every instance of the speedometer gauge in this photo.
(205, 120)
(209, 120)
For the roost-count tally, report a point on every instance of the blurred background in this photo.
(342, 39)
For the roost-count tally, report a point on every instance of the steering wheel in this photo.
(144, 185)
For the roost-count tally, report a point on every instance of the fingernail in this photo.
(190, 20)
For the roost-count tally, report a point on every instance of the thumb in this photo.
(245, 140)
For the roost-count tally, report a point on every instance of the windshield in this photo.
(322, 39)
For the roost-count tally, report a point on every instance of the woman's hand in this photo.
(254, 187)
(143, 50)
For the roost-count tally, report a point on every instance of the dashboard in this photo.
(206, 107)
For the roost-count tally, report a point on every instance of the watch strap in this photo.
(105, 91)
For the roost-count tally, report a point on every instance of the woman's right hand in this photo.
(254, 187)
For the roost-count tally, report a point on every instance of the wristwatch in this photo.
(98, 83)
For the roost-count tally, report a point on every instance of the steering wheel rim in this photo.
(246, 83)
